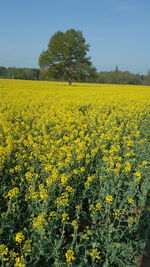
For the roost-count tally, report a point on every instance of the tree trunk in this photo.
(70, 83)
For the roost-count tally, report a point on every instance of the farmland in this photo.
(74, 173)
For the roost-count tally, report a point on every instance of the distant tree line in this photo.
(107, 77)
(120, 77)
(19, 73)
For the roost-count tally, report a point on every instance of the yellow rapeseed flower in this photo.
(117, 212)
(13, 192)
(40, 222)
(131, 221)
(19, 237)
(130, 201)
(43, 192)
(137, 177)
(52, 214)
(75, 224)
(127, 166)
(98, 206)
(19, 262)
(65, 217)
(95, 253)
(3, 250)
(70, 255)
(109, 199)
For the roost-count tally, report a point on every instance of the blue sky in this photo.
(118, 31)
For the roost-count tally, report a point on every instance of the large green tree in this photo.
(66, 57)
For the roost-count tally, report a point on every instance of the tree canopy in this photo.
(66, 57)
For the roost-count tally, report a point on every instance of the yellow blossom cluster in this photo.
(39, 222)
(70, 255)
(95, 253)
(19, 237)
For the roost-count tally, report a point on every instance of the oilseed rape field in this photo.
(74, 169)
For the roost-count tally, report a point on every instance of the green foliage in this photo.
(66, 57)
(3, 71)
(147, 78)
(19, 73)
(85, 73)
(119, 77)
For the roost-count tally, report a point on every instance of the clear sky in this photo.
(118, 31)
